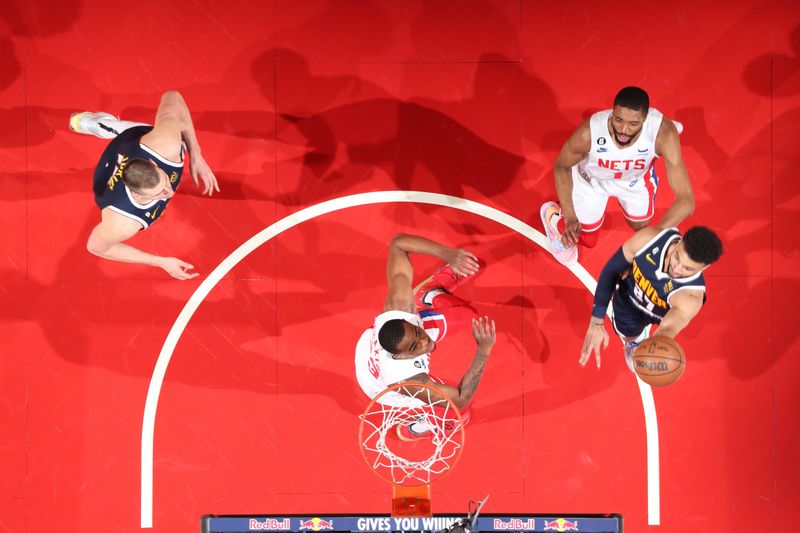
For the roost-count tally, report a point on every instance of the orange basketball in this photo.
(659, 361)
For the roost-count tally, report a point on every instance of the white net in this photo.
(436, 437)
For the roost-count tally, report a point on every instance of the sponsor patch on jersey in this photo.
(601, 150)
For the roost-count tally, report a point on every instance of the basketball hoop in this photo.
(411, 465)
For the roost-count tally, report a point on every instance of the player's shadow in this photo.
(27, 126)
(775, 75)
(248, 306)
(398, 137)
(751, 189)
(30, 20)
(746, 213)
(257, 365)
(12, 66)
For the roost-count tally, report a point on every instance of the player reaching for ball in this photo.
(656, 277)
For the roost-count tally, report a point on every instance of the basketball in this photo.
(659, 361)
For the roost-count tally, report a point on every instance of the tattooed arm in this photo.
(485, 335)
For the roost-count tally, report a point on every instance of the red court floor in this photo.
(300, 102)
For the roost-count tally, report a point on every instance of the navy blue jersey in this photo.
(111, 192)
(647, 286)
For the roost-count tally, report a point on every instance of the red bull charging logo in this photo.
(559, 524)
(316, 524)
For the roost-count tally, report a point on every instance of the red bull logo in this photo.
(270, 524)
(514, 524)
(559, 524)
(316, 524)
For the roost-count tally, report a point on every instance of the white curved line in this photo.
(378, 197)
(653, 473)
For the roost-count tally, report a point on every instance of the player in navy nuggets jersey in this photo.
(397, 347)
(138, 174)
(612, 154)
(655, 278)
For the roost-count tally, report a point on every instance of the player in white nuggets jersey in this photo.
(612, 154)
(138, 174)
(398, 345)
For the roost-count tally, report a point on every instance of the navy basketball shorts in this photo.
(627, 319)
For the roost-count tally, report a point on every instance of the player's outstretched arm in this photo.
(571, 153)
(106, 241)
(485, 335)
(400, 271)
(174, 122)
(596, 335)
(684, 305)
(668, 146)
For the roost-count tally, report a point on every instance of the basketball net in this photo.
(411, 439)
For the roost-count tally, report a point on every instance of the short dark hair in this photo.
(139, 174)
(702, 245)
(390, 335)
(633, 98)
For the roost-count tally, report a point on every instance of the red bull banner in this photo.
(373, 523)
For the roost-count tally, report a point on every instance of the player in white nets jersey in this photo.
(613, 154)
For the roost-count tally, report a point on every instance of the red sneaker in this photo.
(444, 279)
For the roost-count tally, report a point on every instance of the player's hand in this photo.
(177, 269)
(202, 172)
(596, 336)
(485, 334)
(462, 262)
(572, 231)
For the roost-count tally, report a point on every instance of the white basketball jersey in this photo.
(606, 161)
(376, 369)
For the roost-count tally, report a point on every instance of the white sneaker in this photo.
(566, 256)
(90, 123)
(419, 429)
(629, 348)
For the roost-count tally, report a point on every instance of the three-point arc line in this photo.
(378, 197)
